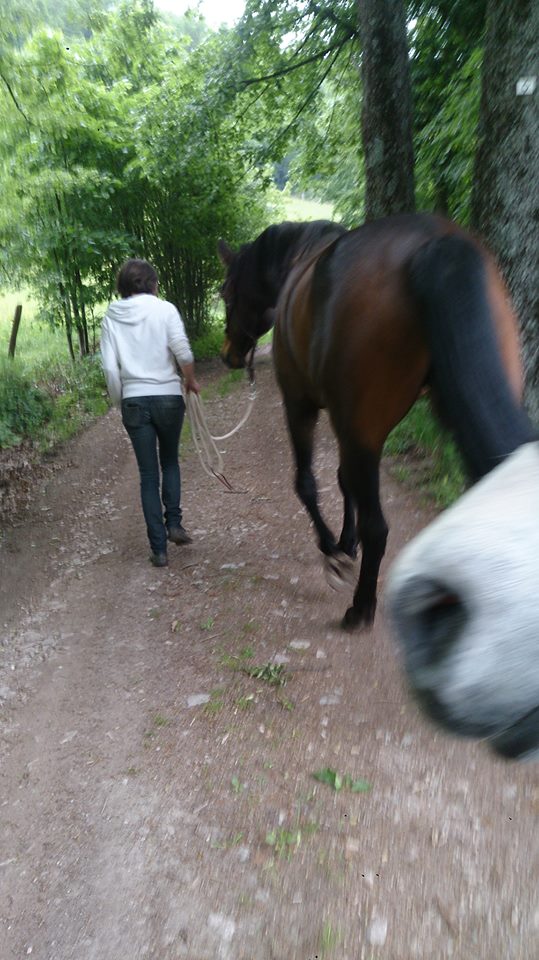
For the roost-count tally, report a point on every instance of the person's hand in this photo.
(191, 385)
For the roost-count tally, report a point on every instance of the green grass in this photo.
(435, 466)
(330, 939)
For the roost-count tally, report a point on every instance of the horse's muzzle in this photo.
(464, 603)
(230, 358)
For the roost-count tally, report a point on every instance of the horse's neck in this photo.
(277, 274)
(284, 250)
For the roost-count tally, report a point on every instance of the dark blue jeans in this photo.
(154, 425)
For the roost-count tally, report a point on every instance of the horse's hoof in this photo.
(354, 619)
(351, 619)
(339, 571)
(349, 549)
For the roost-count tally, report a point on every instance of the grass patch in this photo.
(51, 403)
(216, 702)
(235, 661)
(229, 382)
(232, 841)
(284, 842)
(157, 722)
(45, 398)
(330, 939)
(419, 435)
(245, 702)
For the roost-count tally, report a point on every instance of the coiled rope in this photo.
(205, 443)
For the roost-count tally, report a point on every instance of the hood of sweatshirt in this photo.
(132, 310)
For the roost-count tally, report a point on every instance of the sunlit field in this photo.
(298, 208)
(36, 340)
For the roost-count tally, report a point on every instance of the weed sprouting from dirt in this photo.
(284, 842)
(157, 722)
(337, 781)
(286, 704)
(237, 785)
(236, 661)
(232, 841)
(216, 702)
(245, 702)
(272, 673)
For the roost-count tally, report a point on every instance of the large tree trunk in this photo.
(505, 202)
(387, 109)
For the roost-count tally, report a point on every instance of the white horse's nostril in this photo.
(431, 617)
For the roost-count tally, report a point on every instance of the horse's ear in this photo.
(225, 252)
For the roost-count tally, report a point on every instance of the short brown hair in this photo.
(136, 276)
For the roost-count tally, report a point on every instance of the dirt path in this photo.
(156, 802)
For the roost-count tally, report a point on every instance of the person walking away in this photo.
(143, 342)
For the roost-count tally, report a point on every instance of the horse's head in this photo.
(249, 310)
(464, 599)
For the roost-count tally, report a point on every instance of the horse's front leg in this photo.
(361, 474)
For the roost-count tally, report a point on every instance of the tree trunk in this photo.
(387, 109)
(68, 322)
(505, 201)
(14, 331)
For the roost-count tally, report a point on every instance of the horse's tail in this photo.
(471, 388)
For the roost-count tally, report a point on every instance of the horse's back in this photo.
(367, 348)
(359, 325)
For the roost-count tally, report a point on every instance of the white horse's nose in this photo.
(464, 601)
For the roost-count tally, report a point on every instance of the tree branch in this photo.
(326, 14)
(14, 98)
(319, 55)
(307, 100)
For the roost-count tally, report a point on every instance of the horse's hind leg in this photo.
(348, 537)
(362, 476)
(302, 420)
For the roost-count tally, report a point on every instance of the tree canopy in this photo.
(111, 146)
(127, 132)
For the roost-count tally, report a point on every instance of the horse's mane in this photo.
(261, 267)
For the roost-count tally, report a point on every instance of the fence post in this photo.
(14, 330)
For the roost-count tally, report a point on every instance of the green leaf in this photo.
(329, 776)
(360, 786)
(337, 782)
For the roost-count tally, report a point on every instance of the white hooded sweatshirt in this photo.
(142, 338)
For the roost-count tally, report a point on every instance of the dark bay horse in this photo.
(364, 319)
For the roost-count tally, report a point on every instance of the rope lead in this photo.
(205, 443)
